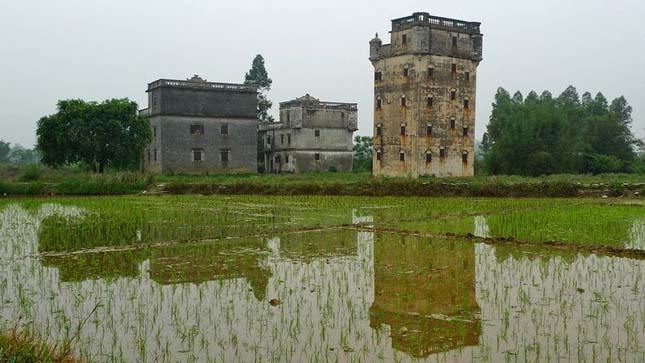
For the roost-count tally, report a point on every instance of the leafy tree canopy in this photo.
(568, 134)
(363, 146)
(101, 135)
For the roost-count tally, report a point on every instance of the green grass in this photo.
(18, 347)
(39, 180)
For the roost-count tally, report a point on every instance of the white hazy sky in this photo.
(100, 49)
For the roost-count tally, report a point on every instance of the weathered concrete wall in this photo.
(294, 138)
(199, 102)
(176, 144)
(152, 164)
(333, 146)
(416, 75)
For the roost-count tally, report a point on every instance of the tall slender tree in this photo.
(259, 77)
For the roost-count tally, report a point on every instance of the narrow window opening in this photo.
(289, 139)
(402, 130)
(406, 72)
(379, 130)
(155, 155)
(467, 76)
(317, 156)
(282, 139)
(430, 101)
(453, 95)
(402, 156)
(197, 129)
(268, 140)
(404, 39)
(317, 133)
(378, 76)
(454, 68)
(429, 130)
(378, 156)
(225, 154)
(466, 103)
(224, 129)
(154, 131)
(430, 72)
(452, 123)
(464, 157)
(379, 103)
(403, 101)
(198, 155)
(465, 133)
(428, 157)
(286, 159)
(442, 153)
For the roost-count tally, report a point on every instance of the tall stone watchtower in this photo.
(424, 97)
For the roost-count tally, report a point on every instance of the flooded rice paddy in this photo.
(327, 279)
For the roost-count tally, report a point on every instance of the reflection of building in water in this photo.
(637, 235)
(197, 263)
(425, 291)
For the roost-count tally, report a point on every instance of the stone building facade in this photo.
(424, 97)
(311, 136)
(201, 127)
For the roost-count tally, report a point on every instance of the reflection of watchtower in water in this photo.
(425, 291)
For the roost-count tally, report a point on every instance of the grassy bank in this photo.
(38, 180)
(363, 184)
(73, 181)
(18, 347)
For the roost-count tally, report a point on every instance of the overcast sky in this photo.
(100, 49)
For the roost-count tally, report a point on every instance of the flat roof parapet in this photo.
(202, 85)
(436, 22)
(308, 101)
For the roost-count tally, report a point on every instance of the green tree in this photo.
(259, 77)
(363, 146)
(100, 135)
(543, 135)
(5, 149)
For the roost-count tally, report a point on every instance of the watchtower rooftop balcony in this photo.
(198, 83)
(312, 102)
(425, 19)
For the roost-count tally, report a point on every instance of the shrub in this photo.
(32, 173)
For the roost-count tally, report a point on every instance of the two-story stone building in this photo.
(311, 136)
(201, 126)
(424, 97)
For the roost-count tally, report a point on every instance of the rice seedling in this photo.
(193, 278)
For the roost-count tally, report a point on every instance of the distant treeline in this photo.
(17, 154)
(542, 135)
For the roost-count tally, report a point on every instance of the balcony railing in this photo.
(425, 18)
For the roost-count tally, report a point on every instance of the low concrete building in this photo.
(311, 136)
(200, 127)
